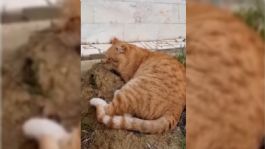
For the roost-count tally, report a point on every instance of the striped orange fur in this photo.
(154, 96)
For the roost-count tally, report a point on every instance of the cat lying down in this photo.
(154, 95)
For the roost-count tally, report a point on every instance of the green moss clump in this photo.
(181, 57)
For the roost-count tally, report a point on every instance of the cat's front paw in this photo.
(97, 102)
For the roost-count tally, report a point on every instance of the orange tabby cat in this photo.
(154, 96)
(51, 135)
(225, 76)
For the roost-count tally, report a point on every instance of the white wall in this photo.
(132, 20)
(18, 5)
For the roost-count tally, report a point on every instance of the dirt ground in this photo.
(41, 78)
(99, 81)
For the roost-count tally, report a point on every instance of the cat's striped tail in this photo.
(128, 122)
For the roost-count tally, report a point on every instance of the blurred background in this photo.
(21, 18)
(35, 40)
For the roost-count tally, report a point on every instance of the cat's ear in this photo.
(121, 49)
(114, 40)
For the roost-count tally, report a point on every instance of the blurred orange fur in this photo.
(225, 72)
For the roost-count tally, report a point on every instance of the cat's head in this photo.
(124, 57)
(118, 53)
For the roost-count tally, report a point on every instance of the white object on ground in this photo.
(39, 127)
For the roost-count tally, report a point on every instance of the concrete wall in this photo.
(132, 20)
